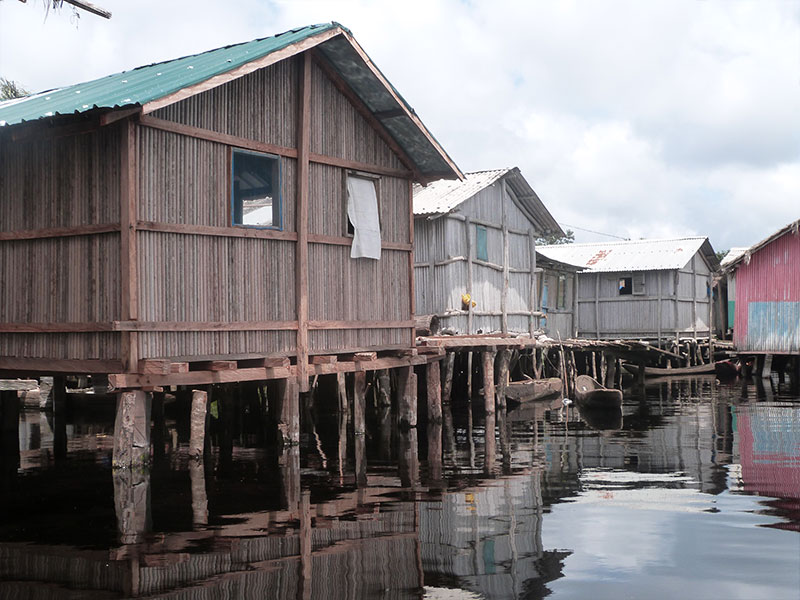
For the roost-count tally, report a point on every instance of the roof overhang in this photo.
(793, 227)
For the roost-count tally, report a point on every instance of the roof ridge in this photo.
(624, 242)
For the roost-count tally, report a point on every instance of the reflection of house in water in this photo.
(488, 540)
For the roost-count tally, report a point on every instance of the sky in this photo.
(664, 118)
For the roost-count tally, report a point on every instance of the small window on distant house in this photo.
(562, 292)
(363, 220)
(544, 296)
(255, 189)
(638, 284)
(625, 286)
(481, 248)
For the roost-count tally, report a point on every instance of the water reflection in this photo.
(695, 485)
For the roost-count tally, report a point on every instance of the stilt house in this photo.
(643, 289)
(766, 294)
(248, 202)
(475, 251)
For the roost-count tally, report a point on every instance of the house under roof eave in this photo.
(445, 196)
(149, 88)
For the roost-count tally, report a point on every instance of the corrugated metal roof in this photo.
(443, 196)
(158, 81)
(732, 255)
(636, 255)
(730, 265)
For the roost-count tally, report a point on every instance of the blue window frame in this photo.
(481, 249)
(256, 190)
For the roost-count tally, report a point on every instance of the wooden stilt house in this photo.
(249, 203)
(475, 252)
(642, 289)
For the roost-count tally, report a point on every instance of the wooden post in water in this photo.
(470, 393)
(435, 451)
(447, 376)
(198, 423)
(766, 370)
(344, 405)
(9, 432)
(488, 381)
(197, 477)
(289, 416)
(407, 396)
(504, 360)
(132, 430)
(359, 402)
(384, 388)
(434, 386)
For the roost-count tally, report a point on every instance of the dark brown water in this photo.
(694, 494)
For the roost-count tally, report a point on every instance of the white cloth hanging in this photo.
(362, 210)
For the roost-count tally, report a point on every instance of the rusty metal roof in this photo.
(444, 196)
(636, 255)
(155, 85)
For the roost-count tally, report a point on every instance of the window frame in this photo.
(376, 180)
(628, 285)
(642, 283)
(481, 228)
(277, 224)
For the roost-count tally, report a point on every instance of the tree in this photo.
(11, 89)
(75, 4)
(554, 239)
(721, 254)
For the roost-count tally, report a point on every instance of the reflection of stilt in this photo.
(409, 459)
(132, 430)
(9, 432)
(385, 426)
(289, 464)
(132, 503)
(435, 451)
(471, 437)
(342, 449)
(304, 592)
(505, 440)
(490, 445)
(449, 435)
(159, 427)
(197, 476)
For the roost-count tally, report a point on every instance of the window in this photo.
(481, 249)
(561, 301)
(638, 284)
(255, 189)
(625, 286)
(544, 296)
(363, 217)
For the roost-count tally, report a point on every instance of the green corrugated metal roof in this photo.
(145, 84)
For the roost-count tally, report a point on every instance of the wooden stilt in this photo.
(447, 376)
(384, 388)
(593, 356)
(435, 451)
(344, 405)
(289, 418)
(359, 402)
(197, 477)
(470, 392)
(9, 432)
(159, 427)
(289, 467)
(408, 459)
(132, 430)
(407, 396)
(503, 363)
(766, 370)
(488, 382)
(490, 444)
(198, 423)
(434, 386)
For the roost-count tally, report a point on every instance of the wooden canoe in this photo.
(533, 389)
(661, 372)
(590, 394)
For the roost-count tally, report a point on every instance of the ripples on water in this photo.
(694, 494)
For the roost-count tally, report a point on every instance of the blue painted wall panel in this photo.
(773, 326)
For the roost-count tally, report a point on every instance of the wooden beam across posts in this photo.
(488, 381)
(128, 254)
(214, 365)
(303, 149)
(434, 387)
(161, 367)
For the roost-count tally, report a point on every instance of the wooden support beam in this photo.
(503, 363)
(120, 381)
(270, 362)
(161, 367)
(434, 387)
(132, 430)
(365, 356)
(128, 254)
(407, 396)
(359, 402)
(488, 381)
(344, 405)
(447, 376)
(289, 415)
(198, 423)
(384, 388)
(301, 275)
(322, 359)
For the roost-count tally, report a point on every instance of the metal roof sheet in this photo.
(730, 265)
(636, 255)
(732, 255)
(443, 196)
(160, 81)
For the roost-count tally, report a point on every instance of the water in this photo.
(695, 494)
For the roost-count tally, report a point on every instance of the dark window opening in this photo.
(625, 286)
(255, 189)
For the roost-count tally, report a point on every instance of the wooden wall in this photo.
(59, 243)
(658, 313)
(446, 265)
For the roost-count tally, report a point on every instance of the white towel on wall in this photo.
(362, 210)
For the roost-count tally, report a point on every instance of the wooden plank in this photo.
(354, 165)
(161, 367)
(488, 381)
(118, 381)
(303, 150)
(203, 326)
(434, 387)
(55, 327)
(411, 278)
(128, 256)
(229, 232)
(322, 359)
(360, 324)
(365, 356)
(59, 232)
(504, 292)
(112, 116)
(269, 361)
(89, 7)
(315, 238)
(470, 260)
(214, 365)
(265, 61)
(359, 402)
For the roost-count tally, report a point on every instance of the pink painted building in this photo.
(767, 294)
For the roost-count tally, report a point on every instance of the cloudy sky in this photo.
(638, 119)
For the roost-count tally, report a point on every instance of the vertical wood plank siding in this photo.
(60, 182)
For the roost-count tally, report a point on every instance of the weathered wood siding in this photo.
(57, 277)
(659, 312)
(445, 250)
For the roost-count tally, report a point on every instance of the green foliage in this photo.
(554, 238)
(11, 89)
(721, 254)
